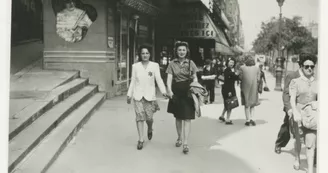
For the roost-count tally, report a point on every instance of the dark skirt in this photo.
(182, 104)
(225, 93)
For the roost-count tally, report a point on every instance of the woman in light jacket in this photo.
(143, 91)
(303, 99)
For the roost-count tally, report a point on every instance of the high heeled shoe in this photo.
(140, 145)
(178, 143)
(185, 149)
(150, 135)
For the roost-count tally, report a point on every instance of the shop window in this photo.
(123, 48)
(27, 22)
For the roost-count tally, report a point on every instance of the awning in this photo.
(225, 20)
(240, 49)
(142, 6)
(223, 50)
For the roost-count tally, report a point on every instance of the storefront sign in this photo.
(194, 22)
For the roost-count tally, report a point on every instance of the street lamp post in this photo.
(280, 59)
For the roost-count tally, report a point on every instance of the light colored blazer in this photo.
(143, 81)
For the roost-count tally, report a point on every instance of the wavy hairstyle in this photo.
(144, 47)
(307, 56)
(249, 60)
(178, 44)
(230, 59)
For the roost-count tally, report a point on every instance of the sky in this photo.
(254, 12)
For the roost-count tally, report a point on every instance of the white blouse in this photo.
(143, 81)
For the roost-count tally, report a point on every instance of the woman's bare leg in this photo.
(178, 124)
(186, 131)
(140, 127)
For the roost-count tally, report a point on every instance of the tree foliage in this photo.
(293, 36)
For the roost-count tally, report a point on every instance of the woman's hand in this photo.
(297, 116)
(128, 100)
(170, 94)
(165, 95)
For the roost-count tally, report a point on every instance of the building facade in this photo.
(98, 38)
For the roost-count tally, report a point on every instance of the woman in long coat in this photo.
(250, 77)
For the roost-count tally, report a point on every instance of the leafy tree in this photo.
(293, 36)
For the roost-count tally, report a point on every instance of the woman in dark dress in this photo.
(180, 73)
(228, 88)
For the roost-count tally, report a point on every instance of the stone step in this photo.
(49, 150)
(29, 138)
(33, 111)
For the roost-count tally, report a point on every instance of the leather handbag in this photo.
(231, 102)
(266, 89)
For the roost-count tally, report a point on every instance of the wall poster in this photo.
(73, 19)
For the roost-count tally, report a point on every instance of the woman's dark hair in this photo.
(230, 59)
(249, 60)
(307, 56)
(178, 44)
(140, 49)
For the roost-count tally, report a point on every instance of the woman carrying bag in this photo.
(181, 72)
(229, 90)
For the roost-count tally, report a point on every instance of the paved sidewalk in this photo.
(107, 143)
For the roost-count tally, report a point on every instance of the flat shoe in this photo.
(229, 123)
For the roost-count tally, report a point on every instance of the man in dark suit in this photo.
(284, 133)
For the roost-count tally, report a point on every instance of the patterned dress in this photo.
(145, 109)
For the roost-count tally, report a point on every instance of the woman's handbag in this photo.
(266, 89)
(231, 102)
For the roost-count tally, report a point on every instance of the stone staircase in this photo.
(41, 131)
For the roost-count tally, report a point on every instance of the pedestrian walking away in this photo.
(262, 80)
(181, 72)
(228, 89)
(143, 91)
(250, 77)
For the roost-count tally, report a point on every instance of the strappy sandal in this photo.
(185, 149)
(178, 143)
